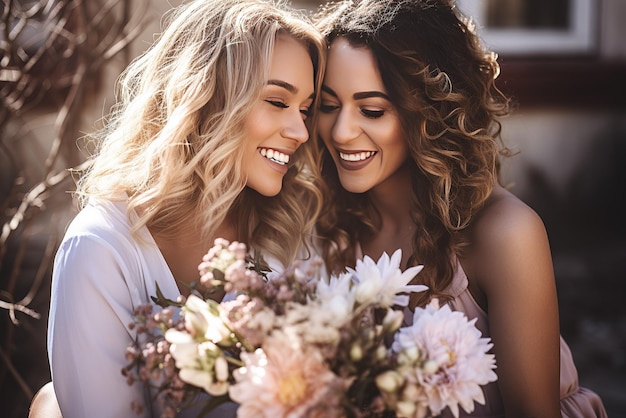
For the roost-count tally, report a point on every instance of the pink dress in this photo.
(576, 402)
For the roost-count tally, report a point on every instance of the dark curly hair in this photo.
(441, 80)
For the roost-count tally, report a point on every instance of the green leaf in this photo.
(162, 301)
(258, 264)
(218, 275)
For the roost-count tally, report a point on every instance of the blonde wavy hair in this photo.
(441, 80)
(172, 144)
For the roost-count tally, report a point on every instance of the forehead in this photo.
(292, 63)
(352, 69)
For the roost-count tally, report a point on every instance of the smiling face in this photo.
(275, 127)
(358, 123)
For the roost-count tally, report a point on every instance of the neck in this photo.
(392, 199)
(184, 250)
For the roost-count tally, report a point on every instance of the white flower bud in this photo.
(430, 366)
(393, 320)
(197, 378)
(412, 353)
(388, 381)
(221, 369)
(408, 356)
(217, 388)
(196, 324)
(381, 352)
(405, 409)
(411, 392)
(356, 353)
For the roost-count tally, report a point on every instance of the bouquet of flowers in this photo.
(300, 344)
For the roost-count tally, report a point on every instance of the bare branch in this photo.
(13, 307)
(52, 53)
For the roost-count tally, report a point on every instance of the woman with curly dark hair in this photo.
(411, 144)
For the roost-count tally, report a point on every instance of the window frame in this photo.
(580, 38)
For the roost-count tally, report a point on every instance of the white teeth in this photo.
(359, 156)
(275, 156)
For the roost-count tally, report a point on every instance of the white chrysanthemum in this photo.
(337, 297)
(444, 359)
(311, 323)
(382, 283)
(335, 285)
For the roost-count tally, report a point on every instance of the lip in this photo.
(354, 165)
(274, 164)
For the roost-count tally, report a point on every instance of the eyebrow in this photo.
(359, 95)
(287, 86)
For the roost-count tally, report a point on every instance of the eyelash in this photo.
(327, 108)
(278, 104)
(370, 114)
(306, 112)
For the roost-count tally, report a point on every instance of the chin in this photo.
(271, 194)
(354, 186)
(268, 192)
(266, 185)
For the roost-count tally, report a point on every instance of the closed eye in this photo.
(278, 104)
(324, 108)
(372, 114)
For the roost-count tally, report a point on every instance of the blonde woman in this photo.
(208, 140)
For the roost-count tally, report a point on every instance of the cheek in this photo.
(396, 144)
(388, 135)
(252, 128)
(258, 125)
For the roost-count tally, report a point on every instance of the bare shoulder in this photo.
(512, 277)
(506, 221)
(508, 242)
(44, 403)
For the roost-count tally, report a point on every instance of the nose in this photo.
(296, 129)
(344, 128)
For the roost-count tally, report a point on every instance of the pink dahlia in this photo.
(280, 380)
(444, 360)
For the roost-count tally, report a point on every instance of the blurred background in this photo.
(563, 62)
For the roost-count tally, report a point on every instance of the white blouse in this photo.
(100, 275)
